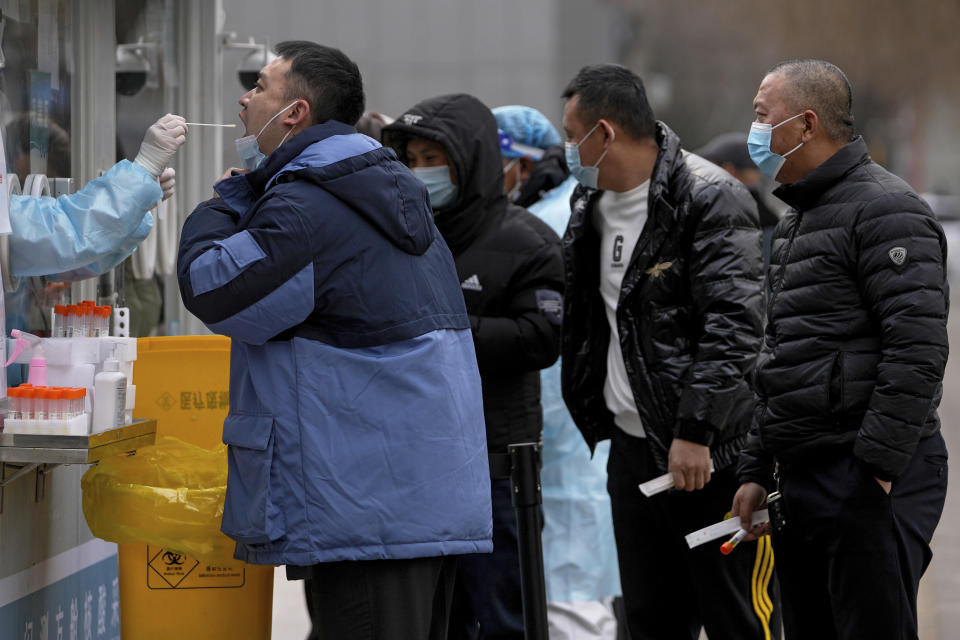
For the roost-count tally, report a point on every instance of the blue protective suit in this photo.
(579, 553)
(356, 426)
(86, 233)
(77, 236)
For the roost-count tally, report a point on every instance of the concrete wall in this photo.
(502, 51)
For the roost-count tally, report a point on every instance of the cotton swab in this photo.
(204, 124)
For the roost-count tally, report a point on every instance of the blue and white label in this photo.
(72, 596)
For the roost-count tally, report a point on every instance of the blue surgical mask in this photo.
(758, 144)
(441, 189)
(249, 149)
(587, 176)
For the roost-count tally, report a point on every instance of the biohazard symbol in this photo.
(172, 567)
(166, 401)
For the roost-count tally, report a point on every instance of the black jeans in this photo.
(851, 556)
(487, 601)
(383, 599)
(670, 590)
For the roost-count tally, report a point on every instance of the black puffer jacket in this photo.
(856, 340)
(689, 314)
(508, 261)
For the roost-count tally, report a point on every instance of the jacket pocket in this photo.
(837, 401)
(251, 510)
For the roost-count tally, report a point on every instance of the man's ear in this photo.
(299, 114)
(526, 167)
(609, 133)
(811, 125)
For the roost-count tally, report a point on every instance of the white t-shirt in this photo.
(619, 219)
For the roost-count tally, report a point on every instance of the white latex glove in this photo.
(161, 141)
(167, 182)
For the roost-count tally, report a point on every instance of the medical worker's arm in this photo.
(127, 245)
(252, 282)
(96, 228)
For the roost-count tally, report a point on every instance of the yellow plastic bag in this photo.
(169, 495)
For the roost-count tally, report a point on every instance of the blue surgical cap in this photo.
(524, 126)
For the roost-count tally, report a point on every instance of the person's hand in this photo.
(52, 293)
(886, 485)
(167, 182)
(229, 173)
(689, 463)
(750, 497)
(161, 141)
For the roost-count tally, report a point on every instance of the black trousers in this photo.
(487, 598)
(383, 599)
(851, 556)
(669, 590)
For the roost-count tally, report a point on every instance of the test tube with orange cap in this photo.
(59, 321)
(13, 403)
(732, 543)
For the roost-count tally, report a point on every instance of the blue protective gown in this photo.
(579, 553)
(86, 233)
(77, 236)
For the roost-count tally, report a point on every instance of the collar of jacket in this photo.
(662, 180)
(664, 176)
(239, 192)
(804, 193)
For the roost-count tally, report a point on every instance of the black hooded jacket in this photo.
(689, 315)
(508, 261)
(856, 339)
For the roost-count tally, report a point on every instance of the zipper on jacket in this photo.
(781, 276)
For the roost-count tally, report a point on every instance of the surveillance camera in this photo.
(131, 72)
(253, 62)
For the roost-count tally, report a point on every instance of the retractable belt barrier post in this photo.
(527, 500)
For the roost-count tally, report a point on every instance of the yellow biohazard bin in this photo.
(183, 382)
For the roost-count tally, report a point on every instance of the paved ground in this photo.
(290, 621)
(939, 590)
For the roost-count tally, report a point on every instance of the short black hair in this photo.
(613, 92)
(326, 78)
(821, 87)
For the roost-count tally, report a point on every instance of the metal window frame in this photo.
(93, 115)
(93, 107)
(200, 161)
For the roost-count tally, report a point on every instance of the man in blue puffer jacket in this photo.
(356, 432)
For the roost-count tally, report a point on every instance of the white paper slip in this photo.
(660, 484)
(720, 529)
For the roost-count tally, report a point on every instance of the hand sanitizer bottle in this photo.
(109, 396)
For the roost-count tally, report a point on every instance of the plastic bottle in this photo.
(37, 375)
(38, 363)
(109, 396)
